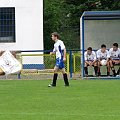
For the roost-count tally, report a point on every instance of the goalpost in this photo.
(98, 27)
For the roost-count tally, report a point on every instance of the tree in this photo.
(63, 16)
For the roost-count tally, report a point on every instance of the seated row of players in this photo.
(102, 57)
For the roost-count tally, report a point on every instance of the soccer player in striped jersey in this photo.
(90, 60)
(60, 51)
(103, 54)
(114, 57)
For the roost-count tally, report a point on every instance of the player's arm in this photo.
(119, 61)
(95, 59)
(64, 57)
(98, 56)
(119, 57)
(53, 52)
(1, 52)
(108, 56)
(85, 58)
(64, 50)
(87, 62)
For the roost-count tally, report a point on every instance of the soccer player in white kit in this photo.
(90, 60)
(114, 58)
(60, 51)
(103, 54)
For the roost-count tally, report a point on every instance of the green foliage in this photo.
(63, 16)
(49, 62)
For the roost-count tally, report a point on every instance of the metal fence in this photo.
(37, 71)
(72, 65)
(46, 71)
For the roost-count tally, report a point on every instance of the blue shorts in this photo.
(60, 63)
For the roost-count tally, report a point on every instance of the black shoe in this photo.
(99, 74)
(86, 75)
(95, 75)
(51, 85)
(114, 75)
(67, 85)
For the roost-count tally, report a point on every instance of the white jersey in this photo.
(101, 55)
(115, 55)
(59, 49)
(90, 57)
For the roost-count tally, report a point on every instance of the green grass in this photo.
(83, 100)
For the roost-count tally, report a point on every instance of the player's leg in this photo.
(118, 72)
(65, 77)
(108, 68)
(112, 67)
(54, 77)
(56, 68)
(86, 69)
(98, 64)
(95, 68)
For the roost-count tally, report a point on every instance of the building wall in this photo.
(29, 28)
(29, 24)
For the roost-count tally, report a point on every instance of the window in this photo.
(7, 24)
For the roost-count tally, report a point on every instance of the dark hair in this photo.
(56, 34)
(103, 46)
(89, 48)
(115, 44)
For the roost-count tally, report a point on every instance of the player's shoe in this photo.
(96, 75)
(86, 75)
(51, 85)
(67, 85)
(99, 74)
(108, 74)
(114, 75)
(118, 76)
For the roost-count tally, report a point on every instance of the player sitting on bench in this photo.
(103, 59)
(90, 60)
(114, 58)
(8, 63)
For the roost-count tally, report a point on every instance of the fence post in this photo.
(68, 63)
(71, 65)
(19, 75)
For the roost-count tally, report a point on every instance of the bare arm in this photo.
(51, 53)
(64, 57)
(94, 61)
(1, 52)
(87, 62)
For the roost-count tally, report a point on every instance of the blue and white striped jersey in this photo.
(59, 49)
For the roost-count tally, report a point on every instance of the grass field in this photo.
(83, 100)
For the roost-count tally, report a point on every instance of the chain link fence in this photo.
(45, 71)
(76, 65)
(43, 64)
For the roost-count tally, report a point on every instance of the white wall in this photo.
(29, 24)
(101, 32)
(29, 27)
